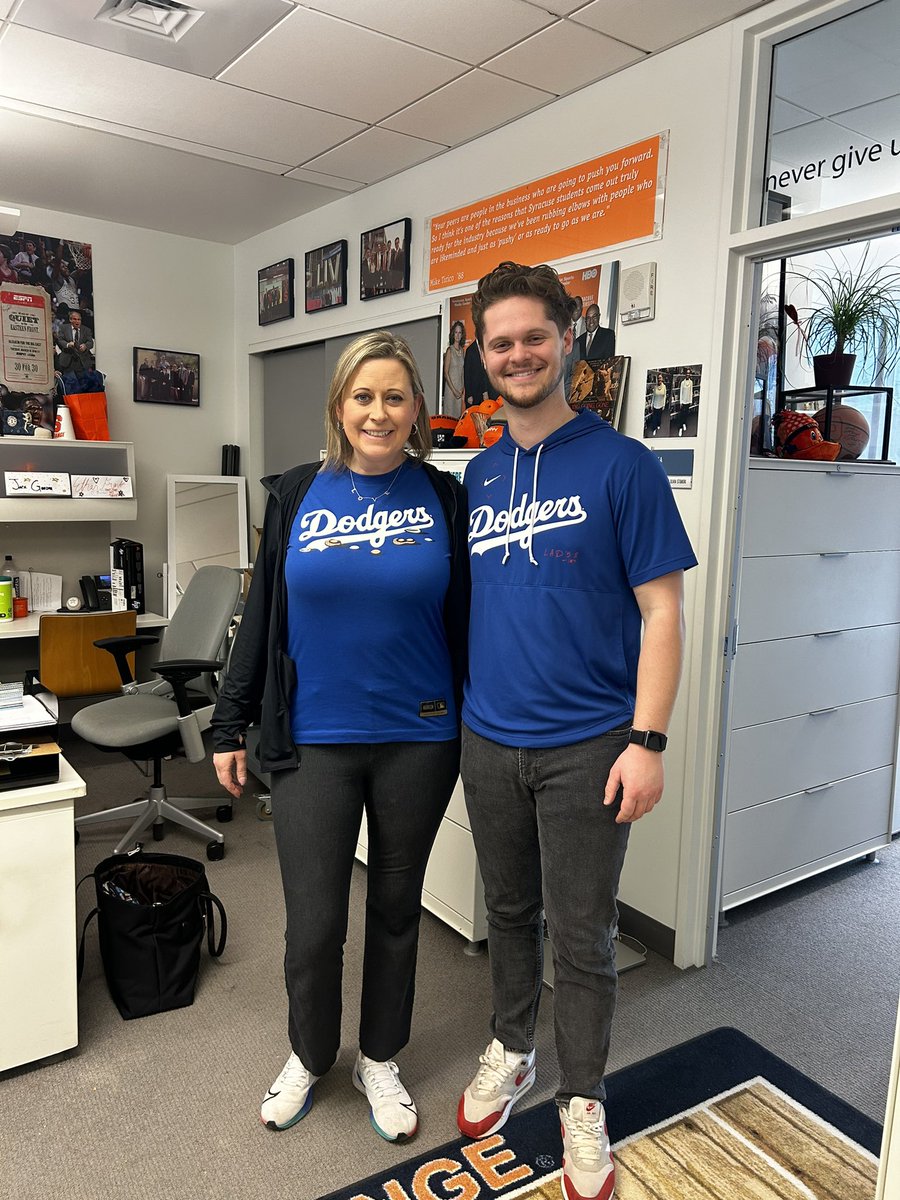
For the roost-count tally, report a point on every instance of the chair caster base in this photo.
(224, 813)
(215, 851)
(159, 831)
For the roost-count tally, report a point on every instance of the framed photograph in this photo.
(276, 292)
(166, 377)
(326, 277)
(384, 260)
(600, 386)
(672, 401)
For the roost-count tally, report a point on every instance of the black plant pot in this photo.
(833, 370)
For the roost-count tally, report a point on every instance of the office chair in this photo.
(156, 719)
(70, 663)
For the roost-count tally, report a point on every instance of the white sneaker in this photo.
(392, 1110)
(504, 1076)
(588, 1169)
(290, 1097)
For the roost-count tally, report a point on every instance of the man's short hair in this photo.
(513, 279)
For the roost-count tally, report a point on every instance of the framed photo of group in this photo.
(384, 260)
(166, 377)
(276, 292)
(326, 277)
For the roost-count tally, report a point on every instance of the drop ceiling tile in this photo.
(562, 8)
(225, 30)
(467, 107)
(331, 181)
(5, 6)
(96, 83)
(653, 24)
(151, 187)
(374, 155)
(326, 63)
(879, 121)
(563, 58)
(470, 30)
(789, 116)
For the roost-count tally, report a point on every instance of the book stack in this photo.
(11, 695)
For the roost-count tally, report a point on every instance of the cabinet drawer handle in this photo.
(829, 633)
(835, 554)
(823, 787)
(820, 712)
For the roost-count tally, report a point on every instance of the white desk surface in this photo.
(23, 627)
(70, 784)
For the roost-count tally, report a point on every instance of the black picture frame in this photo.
(326, 277)
(166, 377)
(275, 292)
(383, 264)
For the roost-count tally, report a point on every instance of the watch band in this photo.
(650, 739)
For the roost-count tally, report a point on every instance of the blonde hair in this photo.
(378, 343)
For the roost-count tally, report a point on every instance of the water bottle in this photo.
(10, 569)
(6, 599)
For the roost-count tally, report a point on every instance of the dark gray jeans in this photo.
(404, 788)
(546, 842)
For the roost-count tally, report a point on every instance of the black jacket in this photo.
(261, 678)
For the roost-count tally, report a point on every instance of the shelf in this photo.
(877, 413)
(74, 458)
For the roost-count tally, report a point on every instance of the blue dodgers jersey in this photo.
(555, 629)
(366, 583)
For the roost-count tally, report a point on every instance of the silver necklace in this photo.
(386, 492)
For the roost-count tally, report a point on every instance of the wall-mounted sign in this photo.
(678, 465)
(26, 334)
(612, 200)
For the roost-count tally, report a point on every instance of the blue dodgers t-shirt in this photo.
(366, 582)
(559, 536)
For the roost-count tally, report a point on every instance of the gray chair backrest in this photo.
(200, 622)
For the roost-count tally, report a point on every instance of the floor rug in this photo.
(717, 1118)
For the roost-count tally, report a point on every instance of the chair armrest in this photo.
(178, 671)
(121, 647)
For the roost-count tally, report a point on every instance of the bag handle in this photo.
(208, 900)
(87, 920)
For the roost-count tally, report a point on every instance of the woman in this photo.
(7, 274)
(351, 653)
(454, 358)
(659, 398)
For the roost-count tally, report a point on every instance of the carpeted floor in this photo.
(167, 1106)
(718, 1117)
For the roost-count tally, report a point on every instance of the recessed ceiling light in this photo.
(159, 18)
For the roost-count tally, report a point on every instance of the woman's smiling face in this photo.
(377, 410)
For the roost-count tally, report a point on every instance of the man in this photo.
(74, 345)
(597, 341)
(577, 549)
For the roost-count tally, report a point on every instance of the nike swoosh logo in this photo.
(270, 1095)
(411, 1107)
(493, 479)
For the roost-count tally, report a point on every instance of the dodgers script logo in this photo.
(488, 528)
(322, 529)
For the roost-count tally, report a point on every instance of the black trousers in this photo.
(404, 788)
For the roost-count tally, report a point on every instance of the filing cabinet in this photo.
(811, 764)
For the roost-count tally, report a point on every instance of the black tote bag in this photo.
(151, 912)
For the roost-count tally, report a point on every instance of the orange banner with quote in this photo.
(606, 201)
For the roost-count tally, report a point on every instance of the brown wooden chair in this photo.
(70, 663)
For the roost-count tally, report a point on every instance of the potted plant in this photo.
(854, 312)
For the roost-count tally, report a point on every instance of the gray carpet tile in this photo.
(167, 1106)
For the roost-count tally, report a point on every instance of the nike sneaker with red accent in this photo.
(392, 1110)
(290, 1097)
(589, 1172)
(503, 1076)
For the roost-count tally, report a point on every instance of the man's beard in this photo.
(531, 401)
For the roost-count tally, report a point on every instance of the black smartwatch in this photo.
(649, 739)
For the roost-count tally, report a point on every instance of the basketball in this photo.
(849, 427)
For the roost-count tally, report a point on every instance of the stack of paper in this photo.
(30, 714)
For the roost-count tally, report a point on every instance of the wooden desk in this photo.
(38, 942)
(19, 649)
(27, 627)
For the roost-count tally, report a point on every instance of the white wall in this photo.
(685, 90)
(162, 292)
